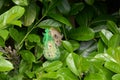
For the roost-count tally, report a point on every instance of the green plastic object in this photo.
(51, 50)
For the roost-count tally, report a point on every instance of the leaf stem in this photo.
(19, 45)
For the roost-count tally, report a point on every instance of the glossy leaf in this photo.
(102, 19)
(82, 34)
(105, 36)
(68, 46)
(95, 76)
(114, 67)
(49, 75)
(99, 28)
(5, 65)
(4, 76)
(75, 44)
(17, 77)
(61, 19)
(4, 34)
(17, 23)
(75, 10)
(114, 41)
(85, 16)
(24, 67)
(10, 16)
(71, 63)
(52, 66)
(30, 74)
(87, 47)
(100, 46)
(21, 2)
(104, 57)
(14, 34)
(66, 74)
(89, 50)
(48, 23)
(1, 53)
(90, 2)
(30, 14)
(1, 3)
(97, 71)
(82, 64)
(113, 27)
(63, 56)
(64, 6)
(114, 53)
(2, 42)
(33, 38)
(116, 77)
(17, 36)
(86, 44)
(38, 51)
(27, 56)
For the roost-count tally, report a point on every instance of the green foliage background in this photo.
(89, 49)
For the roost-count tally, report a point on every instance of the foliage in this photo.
(89, 49)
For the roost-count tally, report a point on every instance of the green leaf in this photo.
(90, 2)
(66, 74)
(64, 6)
(27, 56)
(64, 54)
(24, 66)
(10, 16)
(21, 2)
(114, 39)
(4, 33)
(82, 34)
(116, 77)
(114, 53)
(1, 3)
(75, 44)
(104, 57)
(105, 36)
(1, 53)
(30, 74)
(100, 46)
(30, 14)
(33, 38)
(82, 64)
(68, 46)
(71, 63)
(17, 77)
(2, 42)
(14, 34)
(102, 19)
(75, 10)
(17, 36)
(5, 65)
(98, 28)
(17, 23)
(39, 52)
(112, 26)
(50, 75)
(95, 76)
(48, 23)
(4, 76)
(114, 67)
(85, 16)
(61, 19)
(52, 66)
